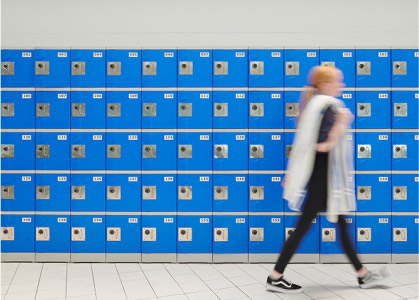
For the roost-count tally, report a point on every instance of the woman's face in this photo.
(334, 87)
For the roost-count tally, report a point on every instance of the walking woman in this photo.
(320, 161)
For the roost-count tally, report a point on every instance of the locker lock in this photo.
(289, 232)
(257, 109)
(185, 192)
(221, 234)
(149, 192)
(364, 109)
(7, 68)
(149, 151)
(185, 234)
(42, 192)
(78, 234)
(78, 151)
(114, 68)
(185, 151)
(114, 151)
(114, 109)
(221, 68)
(288, 149)
(78, 110)
(399, 68)
(42, 67)
(149, 234)
(183, 231)
(114, 192)
(185, 109)
(364, 151)
(329, 235)
(400, 109)
(42, 110)
(78, 68)
(400, 193)
(220, 151)
(256, 151)
(114, 234)
(220, 109)
(149, 68)
(256, 193)
(399, 151)
(293, 110)
(7, 233)
(78, 193)
(400, 234)
(7, 151)
(42, 234)
(363, 68)
(256, 68)
(256, 234)
(221, 192)
(149, 109)
(42, 151)
(8, 110)
(185, 68)
(364, 192)
(364, 234)
(7, 192)
(292, 68)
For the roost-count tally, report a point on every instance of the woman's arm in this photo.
(343, 119)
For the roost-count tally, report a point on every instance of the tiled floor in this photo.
(87, 281)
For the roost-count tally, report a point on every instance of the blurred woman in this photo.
(319, 163)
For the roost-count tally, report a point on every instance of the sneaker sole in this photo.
(273, 288)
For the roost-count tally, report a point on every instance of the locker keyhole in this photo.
(183, 107)
(398, 232)
(147, 190)
(76, 66)
(183, 232)
(112, 107)
(362, 232)
(397, 66)
(219, 149)
(254, 66)
(147, 149)
(289, 107)
(254, 232)
(326, 232)
(40, 231)
(219, 66)
(290, 231)
(362, 107)
(361, 66)
(76, 231)
(398, 107)
(218, 107)
(147, 107)
(6, 148)
(219, 191)
(5, 67)
(219, 232)
(183, 149)
(111, 231)
(362, 190)
(183, 191)
(76, 190)
(112, 191)
(76, 149)
(147, 232)
(5, 231)
(184, 66)
(398, 191)
(254, 191)
(398, 149)
(289, 66)
(41, 108)
(254, 149)
(112, 149)
(112, 66)
(5, 107)
(40, 66)
(362, 149)
(254, 107)
(41, 190)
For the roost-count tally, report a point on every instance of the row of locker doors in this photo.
(204, 68)
(194, 109)
(188, 192)
(171, 150)
(201, 235)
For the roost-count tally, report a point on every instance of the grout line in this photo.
(148, 281)
(204, 280)
(14, 274)
(66, 279)
(93, 277)
(39, 280)
(120, 280)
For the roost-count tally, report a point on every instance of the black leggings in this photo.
(316, 201)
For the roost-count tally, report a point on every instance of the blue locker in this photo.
(53, 109)
(405, 193)
(373, 109)
(195, 68)
(343, 59)
(52, 234)
(289, 141)
(230, 68)
(373, 192)
(123, 109)
(194, 192)
(310, 243)
(266, 234)
(159, 109)
(159, 150)
(17, 68)
(298, 63)
(194, 234)
(373, 68)
(194, 109)
(123, 68)
(231, 150)
(373, 234)
(231, 109)
(373, 151)
(348, 97)
(158, 192)
(231, 234)
(194, 150)
(88, 109)
(53, 192)
(88, 192)
(17, 233)
(265, 193)
(266, 109)
(52, 151)
(87, 235)
(263, 149)
(230, 192)
(18, 150)
(88, 151)
(330, 241)
(291, 108)
(52, 68)
(266, 68)
(123, 235)
(405, 234)
(159, 234)
(17, 192)
(405, 109)
(17, 109)
(123, 150)
(159, 68)
(123, 192)
(404, 67)
(88, 68)
(405, 150)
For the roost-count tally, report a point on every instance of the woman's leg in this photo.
(347, 244)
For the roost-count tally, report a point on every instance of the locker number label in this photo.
(276, 179)
(383, 96)
(276, 220)
(240, 137)
(240, 96)
(97, 96)
(204, 220)
(97, 178)
(133, 220)
(276, 96)
(383, 137)
(311, 54)
(97, 220)
(240, 179)
(26, 137)
(133, 137)
(26, 54)
(240, 54)
(62, 137)
(168, 178)
(204, 54)
(132, 96)
(383, 179)
(168, 220)
(204, 137)
(347, 96)
(275, 54)
(382, 54)
(62, 54)
(26, 220)
(240, 220)
(168, 137)
(132, 54)
(383, 220)
(26, 96)
(204, 96)
(62, 96)
(203, 178)
(62, 178)
(26, 178)
(347, 54)
(97, 54)
(62, 220)
(276, 137)
(132, 178)
(169, 54)
(97, 137)
(168, 96)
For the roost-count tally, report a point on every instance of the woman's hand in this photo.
(346, 115)
(283, 181)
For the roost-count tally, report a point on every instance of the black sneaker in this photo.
(282, 285)
(374, 278)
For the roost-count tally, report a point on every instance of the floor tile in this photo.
(229, 293)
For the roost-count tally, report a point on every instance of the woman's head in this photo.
(326, 80)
